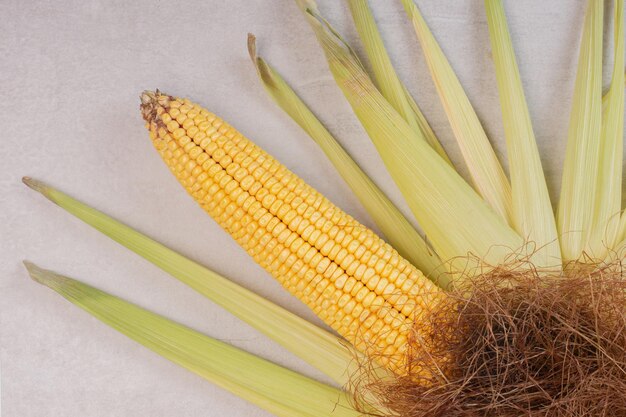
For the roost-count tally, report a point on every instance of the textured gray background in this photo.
(70, 76)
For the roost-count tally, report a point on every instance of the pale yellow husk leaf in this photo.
(483, 164)
(386, 77)
(455, 219)
(580, 170)
(609, 186)
(533, 216)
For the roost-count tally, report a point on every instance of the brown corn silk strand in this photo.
(516, 342)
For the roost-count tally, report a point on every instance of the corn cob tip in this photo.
(151, 101)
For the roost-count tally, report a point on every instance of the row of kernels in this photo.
(365, 310)
(311, 197)
(302, 209)
(309, 254)
(341, 298)
(310, 289)
(309, 230)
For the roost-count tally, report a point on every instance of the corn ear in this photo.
(352, 279)
(533, 216)
(399, 232)
(318, 347)
(272, 387)
(485, 169)
(580, 170)
(455, 219)
(386, 78)
(609, 186)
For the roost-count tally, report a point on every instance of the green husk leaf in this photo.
(485, 169)
(400, 233)
(609, 186)
(321, 349)
(533, 216)
(580, 170)
(455, 219)
(272, 387)
(386, 78)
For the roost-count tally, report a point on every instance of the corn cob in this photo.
(351, 278)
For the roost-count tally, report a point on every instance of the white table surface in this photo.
(71, 73)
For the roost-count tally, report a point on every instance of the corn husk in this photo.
(485, 169)
(608, 198)
(385, 76)
(533, 217)
(580, 170)
(274, 388)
